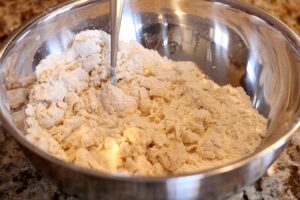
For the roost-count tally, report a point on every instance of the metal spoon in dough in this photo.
(116, 9)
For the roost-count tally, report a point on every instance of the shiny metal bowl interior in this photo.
(231, 42)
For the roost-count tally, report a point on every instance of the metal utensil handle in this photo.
(116, 9)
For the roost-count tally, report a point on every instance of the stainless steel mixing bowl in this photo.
(233, 43)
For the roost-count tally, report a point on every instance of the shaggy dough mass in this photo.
(163, 117)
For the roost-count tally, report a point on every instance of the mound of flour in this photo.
(163, 117)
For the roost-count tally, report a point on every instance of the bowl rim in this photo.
(20, 32)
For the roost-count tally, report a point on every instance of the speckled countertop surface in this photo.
(20, 180)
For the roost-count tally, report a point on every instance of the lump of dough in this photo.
(48, 117)
(75, 80)
(43, 139)
(156, 87)
(50, 91)
(114, 100)
(173, 157)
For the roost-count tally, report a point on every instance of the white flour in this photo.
(164, 117)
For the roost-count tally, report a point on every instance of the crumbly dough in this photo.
(162, 118)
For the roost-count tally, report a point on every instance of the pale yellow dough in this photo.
(162, 118)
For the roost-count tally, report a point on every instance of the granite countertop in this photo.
(20, 180)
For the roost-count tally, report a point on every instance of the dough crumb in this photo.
(163, 117)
